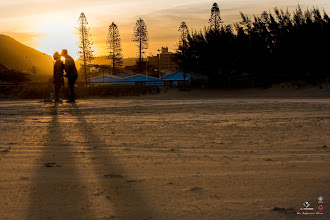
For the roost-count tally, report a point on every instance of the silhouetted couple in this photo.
(70, 72)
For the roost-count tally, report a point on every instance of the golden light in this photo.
(63, 59)
(59, 34)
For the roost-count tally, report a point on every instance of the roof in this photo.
(167, 71)
(180, 76)
(124, 75)
(140, 77)
(127, 71)
(107, 78)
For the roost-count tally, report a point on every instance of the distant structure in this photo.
(175, 79)
(164, 61)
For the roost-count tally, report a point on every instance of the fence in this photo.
(43, 90)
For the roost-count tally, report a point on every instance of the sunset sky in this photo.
(49, 25)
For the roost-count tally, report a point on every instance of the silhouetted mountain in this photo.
(13, 56)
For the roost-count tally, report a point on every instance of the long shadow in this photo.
(57, 191)
(125, 196)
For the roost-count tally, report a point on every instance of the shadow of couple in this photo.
(77, 176)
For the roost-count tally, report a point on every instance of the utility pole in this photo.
(146, 65)
(29, 60)
(159, 63)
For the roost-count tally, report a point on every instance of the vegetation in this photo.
(141, 37)
(85, 43)
(12, 76)
(114, 45)
(272, 47)
(183, 29)
(215, 19)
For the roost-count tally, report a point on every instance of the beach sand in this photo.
(162, 157)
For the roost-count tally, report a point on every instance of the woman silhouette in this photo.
(58, 75)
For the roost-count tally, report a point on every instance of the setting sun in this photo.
(63, 59)
(58, 35)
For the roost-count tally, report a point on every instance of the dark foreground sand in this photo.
(215, 158)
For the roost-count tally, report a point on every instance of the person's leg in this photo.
(71, 88)
(72, 80)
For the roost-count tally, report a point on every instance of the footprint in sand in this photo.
(284, 210)
(268, 159)
(195, 189)
(52, 165)
(5, 151)
(111, 175)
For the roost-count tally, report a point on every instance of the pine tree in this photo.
(114, 45)
(183, 37)
(183, 45)
(215, 19)
(85, 43)
(141, 37)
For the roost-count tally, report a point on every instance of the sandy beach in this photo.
(165, 158)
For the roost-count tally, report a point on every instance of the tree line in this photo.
(140, 36)
(270, 47)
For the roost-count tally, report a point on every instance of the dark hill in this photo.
(13, 56)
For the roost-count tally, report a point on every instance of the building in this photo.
(179, 78)
(140, 79)
(165, 61)
(106, 79)
(137, 79)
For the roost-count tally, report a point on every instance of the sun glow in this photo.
(63, 59)
(59, 35)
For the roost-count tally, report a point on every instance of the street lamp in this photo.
(146, 66)
(159, 63)
(33, 69)
(29, 60)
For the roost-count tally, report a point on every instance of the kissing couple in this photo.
(70, 72)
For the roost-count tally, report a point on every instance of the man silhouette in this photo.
(71, 73)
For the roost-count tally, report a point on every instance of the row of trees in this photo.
(140, 36)
(279, 46)
(272, 47)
